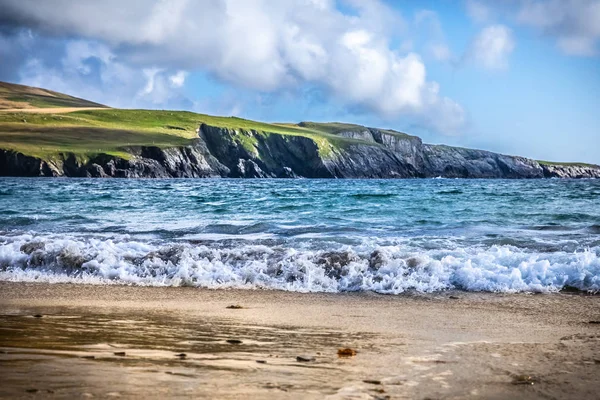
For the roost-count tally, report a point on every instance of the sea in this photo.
(384, 236)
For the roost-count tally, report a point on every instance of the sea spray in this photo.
(367, 267)
(388, 236)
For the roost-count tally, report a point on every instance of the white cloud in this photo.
(577, 45)
(491, 47)
(254, 44)
(118, 84)
(79, 51)
(178, 79)
(574, 25)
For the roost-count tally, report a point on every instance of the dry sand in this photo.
(479, 345)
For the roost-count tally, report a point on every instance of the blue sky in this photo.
(518, 76)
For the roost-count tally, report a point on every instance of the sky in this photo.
(518, 77)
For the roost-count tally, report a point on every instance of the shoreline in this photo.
(447, 344)
(301, 178)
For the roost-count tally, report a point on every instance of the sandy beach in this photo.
(74, 341)
(376, 200)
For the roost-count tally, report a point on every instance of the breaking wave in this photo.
(370, 266)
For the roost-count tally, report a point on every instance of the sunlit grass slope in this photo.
(13, 96)
(115, 131)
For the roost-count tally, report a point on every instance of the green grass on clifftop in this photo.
(112, 131)
(566, 164)
(335, 128)
(39, 129)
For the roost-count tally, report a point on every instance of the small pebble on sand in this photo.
(524, 380)
(305, 359)
(346, 352)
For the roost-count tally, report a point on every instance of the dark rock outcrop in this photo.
(362, 153)
(17, 164)
(193, 161)
(570, 171)
(456, 162)
(272, 155)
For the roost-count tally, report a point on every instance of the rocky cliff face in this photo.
(456, 162)
(571, 171)
(221, 152)
(193, 161)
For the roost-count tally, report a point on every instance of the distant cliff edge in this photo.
(45, 133)
(237, 153)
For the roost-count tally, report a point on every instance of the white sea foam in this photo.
(383, 268)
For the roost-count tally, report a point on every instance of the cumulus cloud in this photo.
(574, 25)
(178, 79)
(491, 47)
(90, 70)
(258, 45)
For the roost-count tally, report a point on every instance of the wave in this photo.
(18, 221)
(552, 228)
(390, 269)
(594, 228)
(576, 217)
(9, 212)
(363, 196)
(454, 191)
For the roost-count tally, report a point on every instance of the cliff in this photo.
(53, 134)
(238, 153)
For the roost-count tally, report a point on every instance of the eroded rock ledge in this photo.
(221, 152)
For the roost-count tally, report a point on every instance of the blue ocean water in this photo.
(388, 236)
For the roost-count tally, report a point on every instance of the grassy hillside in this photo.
(13, 96)
(37, 129)
(112, 131)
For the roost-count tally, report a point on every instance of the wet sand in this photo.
(80, 341)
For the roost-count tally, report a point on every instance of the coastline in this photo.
(445, 344)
